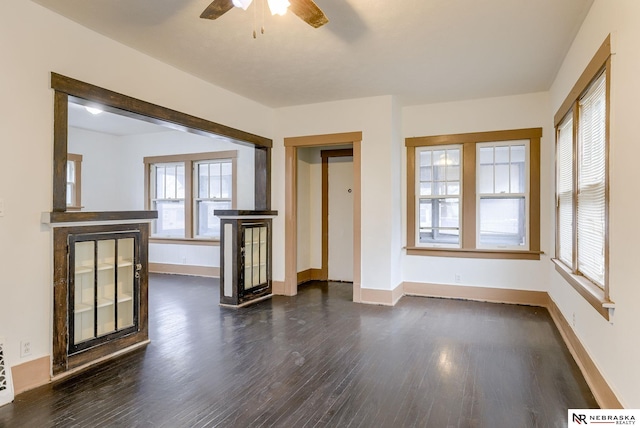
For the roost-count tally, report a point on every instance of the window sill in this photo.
(587, 289)
(474, 253)
(185, 241)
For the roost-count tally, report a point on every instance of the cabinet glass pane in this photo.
(263, 254)
(106, 287)
(125, 282)
(84, 292)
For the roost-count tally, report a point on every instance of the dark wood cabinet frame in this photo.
(62, 361)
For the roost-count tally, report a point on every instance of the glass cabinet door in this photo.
(255, 256)
(103, 287)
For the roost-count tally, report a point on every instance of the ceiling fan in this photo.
(306, 10)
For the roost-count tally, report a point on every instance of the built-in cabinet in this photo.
(103, 287)
(100, 291)
(245, 256)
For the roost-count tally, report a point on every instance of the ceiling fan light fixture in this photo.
(244, 4)
(278, 7)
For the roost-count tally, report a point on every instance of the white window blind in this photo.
(565, 190)
(591, 181)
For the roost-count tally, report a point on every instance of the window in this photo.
(581, 183)
(214, 186)
(475, 195)
(502, 195)
(439, 196)
(168, 188)
(186, 189)
(74, 176)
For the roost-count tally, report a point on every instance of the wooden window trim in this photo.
(189, 160)
(468, 239)
(597, 297)
(66, 88)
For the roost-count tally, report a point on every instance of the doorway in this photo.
(290, 286)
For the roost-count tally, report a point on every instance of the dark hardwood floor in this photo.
(318, 359)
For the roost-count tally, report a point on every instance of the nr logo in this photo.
(579, 419)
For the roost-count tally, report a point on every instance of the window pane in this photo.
(170, 221)
(485, 171)
(170, 182)
(502, 178)
(203, 180)
(518, 169)
(179, 183)
(485, 179)
(425, 173)
(425, 189)
(440, 221)
(214, 176)
(425, 158)
(208, 223)
(226, 185)
(69, 194)
(502, 222)
(71, 171)
(160, 182)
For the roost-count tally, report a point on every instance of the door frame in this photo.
(291, 145)
(326, 154)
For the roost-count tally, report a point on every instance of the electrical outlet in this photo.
(456, 278)
(25, 348)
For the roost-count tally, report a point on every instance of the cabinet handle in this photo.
(139, 266)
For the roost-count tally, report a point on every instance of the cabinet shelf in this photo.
(102, 303)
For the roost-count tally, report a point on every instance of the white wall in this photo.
(103, 179)
(615, 346)
(309, 209)
(29, 53)
(493, 114)
(374, 117)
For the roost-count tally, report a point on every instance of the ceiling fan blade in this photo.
(216, 9)
(309, 12)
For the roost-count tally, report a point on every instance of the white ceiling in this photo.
(422, 51)
(110, 123)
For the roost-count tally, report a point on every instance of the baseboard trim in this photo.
(31, 374)
(205, 271)
(310, 275)
(381, 297)
(603, 393)
(277, 288)
(92, 363)
(483, 294)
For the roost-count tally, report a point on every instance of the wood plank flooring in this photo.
(317, 359)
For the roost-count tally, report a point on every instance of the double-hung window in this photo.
(475, 195)
(581, 183)
(186, 189)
